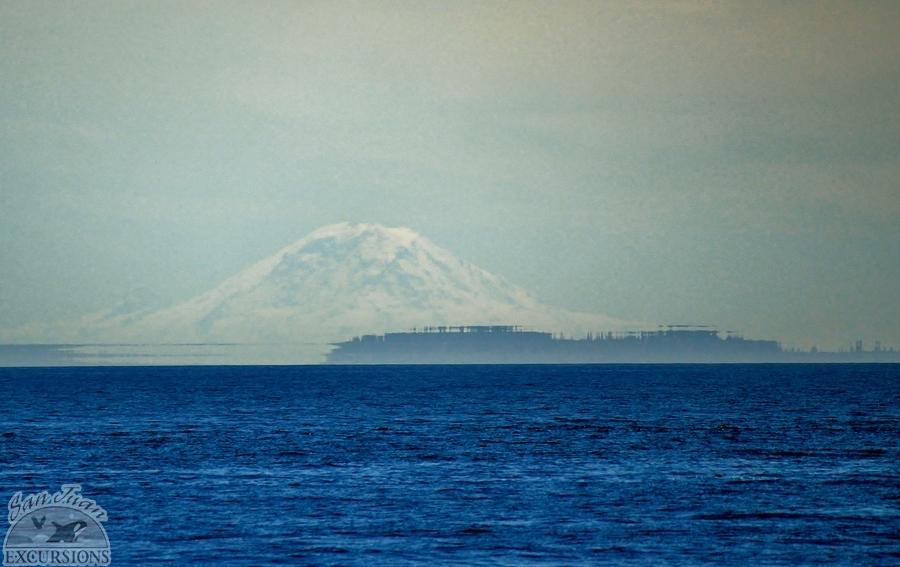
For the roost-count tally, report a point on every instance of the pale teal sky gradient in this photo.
(729, 163)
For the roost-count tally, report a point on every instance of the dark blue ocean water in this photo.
(486, 465)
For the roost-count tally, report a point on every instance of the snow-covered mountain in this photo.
(342, 280)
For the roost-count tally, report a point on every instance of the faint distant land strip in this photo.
(505, 344)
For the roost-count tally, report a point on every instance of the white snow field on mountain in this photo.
(340, 281)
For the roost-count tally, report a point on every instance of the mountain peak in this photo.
(374, 243)
(356, 229)
(362, 235)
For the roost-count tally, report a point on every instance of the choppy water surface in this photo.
(732, 464)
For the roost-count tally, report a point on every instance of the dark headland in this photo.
(504, 344)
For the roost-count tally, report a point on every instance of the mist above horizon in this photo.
(732, 164)
(339, 281)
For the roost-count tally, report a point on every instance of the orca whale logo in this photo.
(67, 533)
(63, 528)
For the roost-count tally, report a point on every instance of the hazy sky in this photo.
(730, 163)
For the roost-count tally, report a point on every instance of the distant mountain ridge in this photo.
(341, 280)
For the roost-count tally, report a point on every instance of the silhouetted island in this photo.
(504, 344)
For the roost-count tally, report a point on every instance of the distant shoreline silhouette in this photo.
(513, 344)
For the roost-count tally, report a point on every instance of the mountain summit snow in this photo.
(339, 281)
